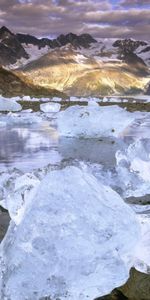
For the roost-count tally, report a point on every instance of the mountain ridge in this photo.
(78, 64)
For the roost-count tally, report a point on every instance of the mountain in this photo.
(12, 85)
(4, 32)
(83, 40)
(10, 48)
(94, 71)
(147, 92)
(78, 65)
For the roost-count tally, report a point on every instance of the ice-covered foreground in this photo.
(74, 240)
(93, 121)
(9, 105)
(70, 232)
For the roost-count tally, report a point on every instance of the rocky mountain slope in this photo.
(82, 72)
(103, 68)
(78, 65)
(12, 85)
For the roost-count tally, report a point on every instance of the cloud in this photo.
(129, 3)
(53, 17)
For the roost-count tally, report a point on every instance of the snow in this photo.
(34, 53)
(80, 59)
(9, 105)
(50, 107)
(75, 241)
(144, 55)
(90, 121)
(102, 51)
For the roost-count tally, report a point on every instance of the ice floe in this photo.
(93, 121)
(9, 105)
(50, 107)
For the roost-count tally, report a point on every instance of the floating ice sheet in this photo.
(9, 105)
(94, 121)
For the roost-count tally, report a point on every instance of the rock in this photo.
(136, 288)
(83, 40)
(128, 45)
(4, 223)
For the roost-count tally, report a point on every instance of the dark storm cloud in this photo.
(53, 17)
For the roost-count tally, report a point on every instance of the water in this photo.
(28, 147)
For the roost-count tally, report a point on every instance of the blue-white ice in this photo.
(93, 121)
(76, 238)
(9, 105)
(70, 233)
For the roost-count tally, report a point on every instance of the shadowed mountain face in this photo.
(128, 45)
(83, 40)
(10, 48)
(77, 65)
(147, 92)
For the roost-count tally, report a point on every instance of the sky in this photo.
(100, 18)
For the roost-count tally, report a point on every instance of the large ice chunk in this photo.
(9, 105)
(74, 241)
(23, 191)
(93, 121)
(133, 169)
(142, 263)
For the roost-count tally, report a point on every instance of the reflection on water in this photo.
(100, 151)
(27, 147)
